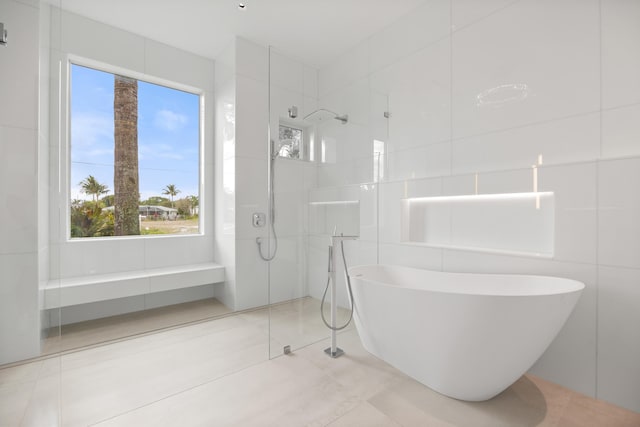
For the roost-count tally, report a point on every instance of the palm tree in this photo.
(125, 177)
(90, 185)
(171, 191)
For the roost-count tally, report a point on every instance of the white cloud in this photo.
(161, 151)
(87, 129)
(169, 120)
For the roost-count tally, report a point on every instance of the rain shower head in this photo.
(323, 115)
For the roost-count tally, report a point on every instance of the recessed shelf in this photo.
(506, 223)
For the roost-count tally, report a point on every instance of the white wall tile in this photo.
(225, 66)
(574, 187)
(251, 276)
(167, 251)
(368, 220)
(418, 89)
(352, 99)
(19, 317)
(466, 12)
(177, 65)
(90, 257)
(509, 181)
(347, 69)
(389, 215)
(621, 132)
(251, 195)
(525, 44)
(252, 60)
(252, 118)
(280, 101)
(287, 280)
(309, 105)
(18, 186)
(570, 360)
(19, 83)
(416, 256)
(417, 29)
(286, 73)
(419, 161)
(618, 213)
(100, 42)
(573, 139)
(619, 336)
(310, 82)
(620, 53)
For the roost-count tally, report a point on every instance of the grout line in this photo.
(463, 174)
(451, 153)
(138, 335)
(476, 21)
(180, 392)
(597, 202)
(525, 125)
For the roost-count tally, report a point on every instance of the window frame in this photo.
(65, 163)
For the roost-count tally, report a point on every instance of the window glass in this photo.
(134, 156)
(290, 142)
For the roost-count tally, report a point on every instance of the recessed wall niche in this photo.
(512, 223)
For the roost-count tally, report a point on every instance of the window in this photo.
(290, 143)
(134, 156)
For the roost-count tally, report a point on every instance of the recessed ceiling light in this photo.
(241, 6)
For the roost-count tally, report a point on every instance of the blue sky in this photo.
(168, 135)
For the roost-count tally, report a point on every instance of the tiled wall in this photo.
(75, 35)
(19, 315)
(481, 90)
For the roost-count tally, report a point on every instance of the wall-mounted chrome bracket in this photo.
(3, 35)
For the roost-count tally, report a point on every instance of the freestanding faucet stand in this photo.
(334, 248)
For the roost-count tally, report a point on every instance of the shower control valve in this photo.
(259, 219)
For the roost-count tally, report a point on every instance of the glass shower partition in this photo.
(327, 164)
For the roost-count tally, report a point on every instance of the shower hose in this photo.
(324, 295)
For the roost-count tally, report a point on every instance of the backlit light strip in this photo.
(335, 202)
(479, 197)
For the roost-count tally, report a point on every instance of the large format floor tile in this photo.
(218, 373)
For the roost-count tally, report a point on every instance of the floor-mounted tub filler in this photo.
(467, 336)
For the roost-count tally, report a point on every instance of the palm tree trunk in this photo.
(126, 187)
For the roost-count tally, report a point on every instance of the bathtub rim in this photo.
(568, 285)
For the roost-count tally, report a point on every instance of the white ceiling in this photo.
(315, 31)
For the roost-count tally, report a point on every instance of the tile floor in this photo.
(91, 332)
(218, 373)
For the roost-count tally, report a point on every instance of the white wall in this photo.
(75, 35)
(225, 165)
(252, 118)
(243, 91)
(19, 314)
(292, 83)
(580, 109)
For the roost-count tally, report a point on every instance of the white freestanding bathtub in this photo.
(467, 336)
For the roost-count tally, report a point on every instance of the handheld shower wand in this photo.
(272, 209)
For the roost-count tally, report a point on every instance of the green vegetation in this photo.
(88, 219)
(171, 191)
(96, 218)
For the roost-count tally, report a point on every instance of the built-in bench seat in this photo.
(87, 289)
